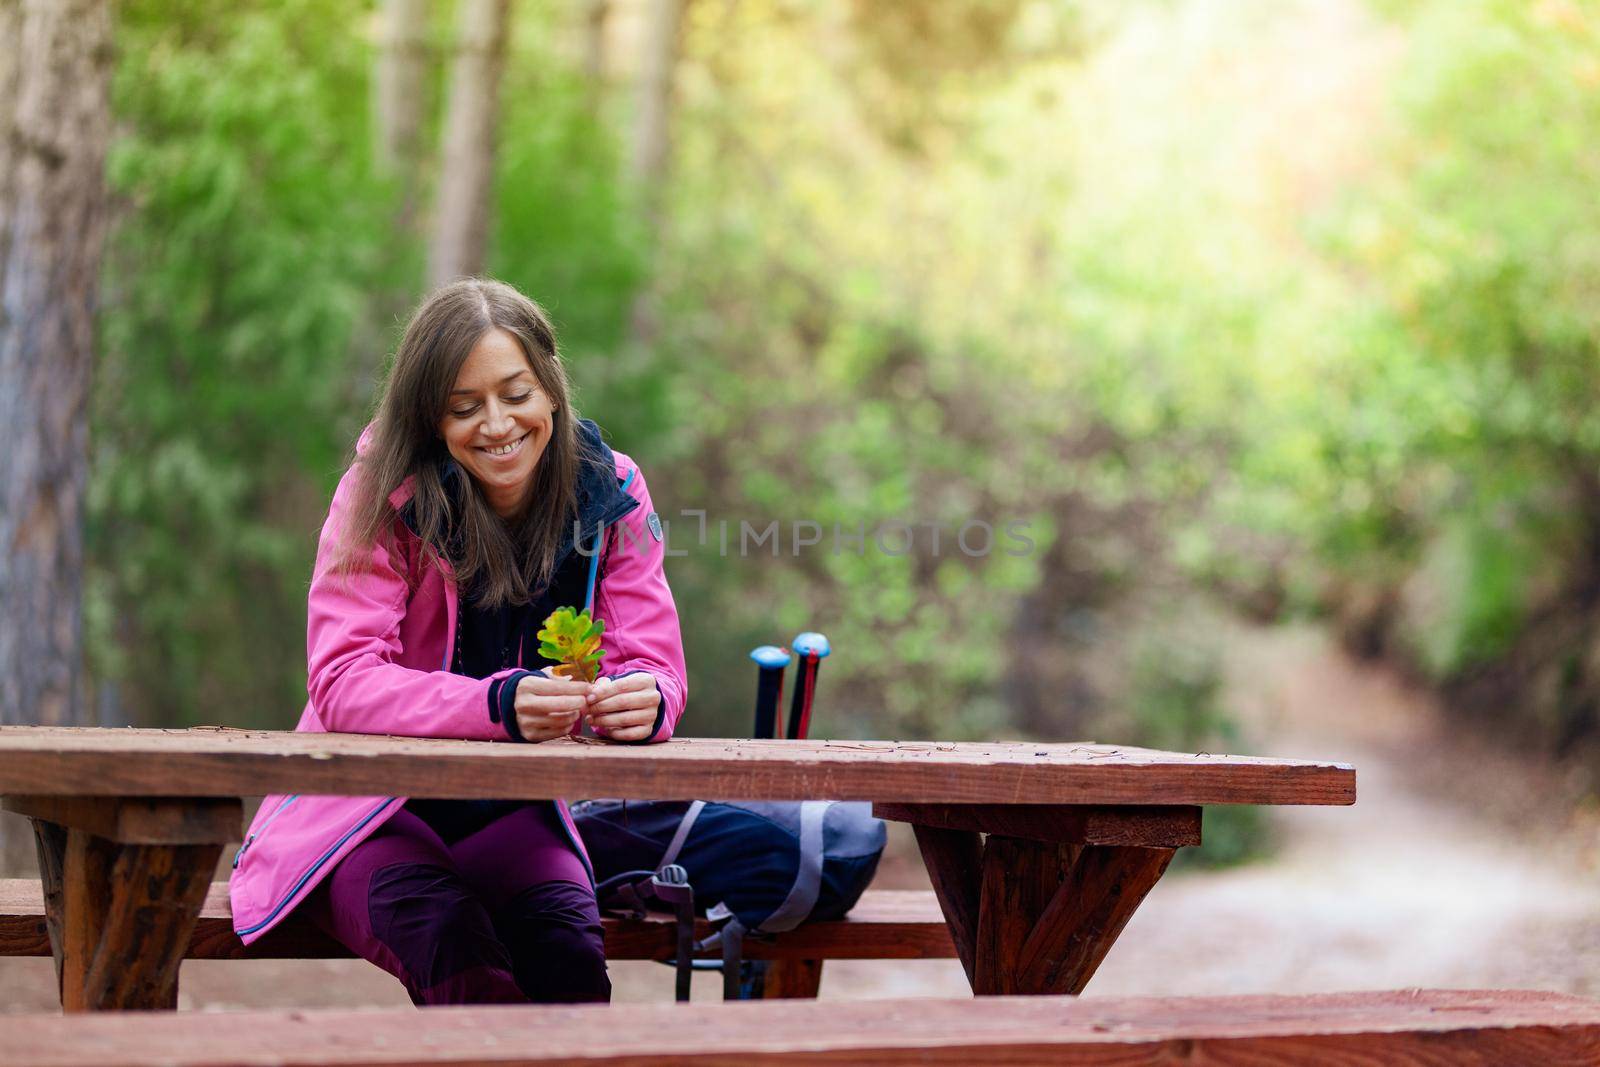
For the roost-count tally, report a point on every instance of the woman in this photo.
(477, 504)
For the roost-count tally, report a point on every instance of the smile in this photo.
(501, 451)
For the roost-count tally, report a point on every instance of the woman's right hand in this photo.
(548, 707)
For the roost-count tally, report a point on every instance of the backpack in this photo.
(753, 868)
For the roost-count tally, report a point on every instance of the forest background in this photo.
(1244, 321)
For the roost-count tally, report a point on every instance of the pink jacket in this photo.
(378, 649)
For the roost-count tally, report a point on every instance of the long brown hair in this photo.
(500, 561)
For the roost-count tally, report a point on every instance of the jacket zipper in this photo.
(237, 856)
(314, 868)
(594, 560)
(588, 605)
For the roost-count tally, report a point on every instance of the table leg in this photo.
(50, 841)
(954, 859)
(123, 886)
(1051, 912)
(790, 979)
(1034, 906)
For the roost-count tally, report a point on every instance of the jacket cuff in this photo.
(503, 703)
(661, 713)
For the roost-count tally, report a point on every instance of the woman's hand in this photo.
(625, 708)
(548, 707)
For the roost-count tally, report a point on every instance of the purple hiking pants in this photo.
(504, 915)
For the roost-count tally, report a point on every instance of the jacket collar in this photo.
(601, 499)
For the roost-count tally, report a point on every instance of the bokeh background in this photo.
(1276, 323)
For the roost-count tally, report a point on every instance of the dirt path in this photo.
(1451, 870)
(1455, 868)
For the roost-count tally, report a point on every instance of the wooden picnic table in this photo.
(1039, 853)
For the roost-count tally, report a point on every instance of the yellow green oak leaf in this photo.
(572, 640)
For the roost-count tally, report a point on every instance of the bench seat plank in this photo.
(213, 762)
(886, 924)
(1353, 1029)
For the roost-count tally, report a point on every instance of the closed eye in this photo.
(462, 413)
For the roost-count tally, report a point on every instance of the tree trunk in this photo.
(399, 101)
(466, 176)
(595, 14)
(54, 125)
(398, 85)
(652, 143)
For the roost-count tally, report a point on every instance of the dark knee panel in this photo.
(433, 925)
(556, 942)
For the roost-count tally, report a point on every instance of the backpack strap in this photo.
(686, 824)
(796, 907)
(732, 934)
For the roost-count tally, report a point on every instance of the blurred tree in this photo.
(652, 141)
(399, 94)
(658, 64)
(54, 124)
(400, 83)
(471, 131)
(596, 14)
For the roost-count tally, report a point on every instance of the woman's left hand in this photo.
(625, 708)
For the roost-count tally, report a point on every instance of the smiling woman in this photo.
(498, 422)
(477, 370)
(478, 503)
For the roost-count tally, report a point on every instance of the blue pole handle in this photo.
(811, 644)
(769, 687)
(811, 648)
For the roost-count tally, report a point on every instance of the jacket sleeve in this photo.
(353, 639)
(641, 619)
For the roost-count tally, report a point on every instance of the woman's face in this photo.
(497, 422)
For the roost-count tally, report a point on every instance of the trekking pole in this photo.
(812, 648)
(769, 687)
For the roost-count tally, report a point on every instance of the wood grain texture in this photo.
(1084, 917)
(50, 842)
(885, 924)
(140, 820)
(126, 916)
(155, 899)
(1415, 1027)
(218, 762)
(1078, 824)
(1020, 878)
(85, 898)
(954, 859)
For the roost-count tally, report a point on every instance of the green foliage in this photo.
(1292, 307)
(1175, 702)
(572, 640)
(1452, 454)
(250, 290)
(251, 232)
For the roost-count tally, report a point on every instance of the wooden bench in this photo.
(1413, 1027)
(884, 925)
(1038, 853)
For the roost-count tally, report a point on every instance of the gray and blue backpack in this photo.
(751, 868)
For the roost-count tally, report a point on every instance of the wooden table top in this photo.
(211, 761)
